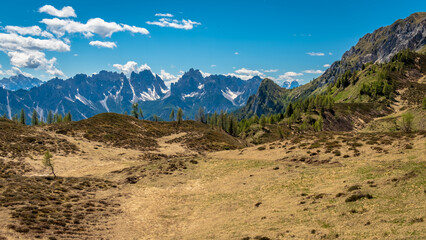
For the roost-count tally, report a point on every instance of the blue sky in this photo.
(245, 38)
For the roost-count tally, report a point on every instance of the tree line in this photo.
(38, 120)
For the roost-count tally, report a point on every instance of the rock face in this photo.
(85, 96)
(19, 82)
(381, 45)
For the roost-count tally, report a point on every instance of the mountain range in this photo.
(85, 96)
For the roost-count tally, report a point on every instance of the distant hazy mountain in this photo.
(85, 96)
(19, 82)
(290, 84)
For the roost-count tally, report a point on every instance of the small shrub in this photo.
(358, 196)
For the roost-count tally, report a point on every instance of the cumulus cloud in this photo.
(16, 71)
(169, 78)
(100, 44)
(245, 71)
(164, 15)
(135, 29)
(236, 53)
(246, 74)
(326, 65)
(63, 13)
(93, 26)
(33, 31)
(289, 75)
(315, 54)
(131, 66)
(312, 71)
(173, 23)
(13, 42)
(330, 53)
(27, 52)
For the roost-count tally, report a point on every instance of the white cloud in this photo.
(27, 52)
(33, 31)
(135, 29)
(169, 78)
(289, 75)
(271, 70)
(13, 42)
(245, 71)
(312, 71)
(205, 74)
(75, 55)
(16, 71)
(246, 74)
(63, 13)
(93, 26)
(315, 54)
(131, 66)
(236, 53)
(330, 53)
(100, 44)
(213, 65)
(164, 15)
(173, 23)
(326, 65)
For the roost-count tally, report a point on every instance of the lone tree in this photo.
(141, 113)
(34, 118)
(407, 122)
(22, 117)
(179, 115)
(47, 162)
(135, 107)
(172, 115)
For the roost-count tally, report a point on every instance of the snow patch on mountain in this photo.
(150, 95)
(230, 95)
(104, 102)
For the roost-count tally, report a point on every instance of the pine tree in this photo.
(201, 116)
(141, 113)
(134, 112)
(15, 118)
(68, 117)
(172, 115)
(155, 118)
(47, 162)
(179, 115)
(262, 120)
(22, 117)
(50, 117)
(34, 118)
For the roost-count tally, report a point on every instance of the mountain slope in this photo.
(377, 47)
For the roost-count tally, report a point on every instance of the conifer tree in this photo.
(179, 115)
(172, 115)
(50, 117)
(134, 112)
(22, 117)
(141, 113)
(47, 162)
(34, 118)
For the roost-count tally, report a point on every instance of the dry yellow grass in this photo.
(289, 189)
